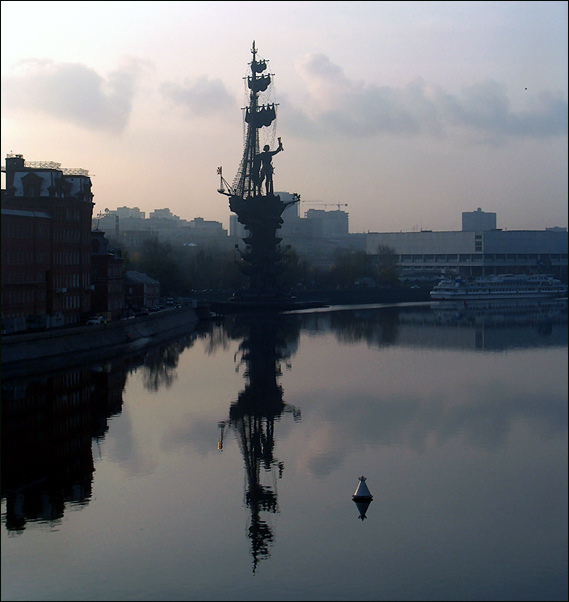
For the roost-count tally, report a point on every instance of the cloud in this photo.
(73, 92)
(200, 96)
(191, 435)
(418, 423)
(485, 108)
(337, 104)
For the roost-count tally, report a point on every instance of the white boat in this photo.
(501, 286)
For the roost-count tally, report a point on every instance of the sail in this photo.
(247, 180)
(264, 116)
(259, 84)
(258, 66)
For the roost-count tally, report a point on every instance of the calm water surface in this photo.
(222, 466)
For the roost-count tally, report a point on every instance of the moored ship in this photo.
(502, 286)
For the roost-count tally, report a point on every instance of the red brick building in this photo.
(26, 263)
(46, 244)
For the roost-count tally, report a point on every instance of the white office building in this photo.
(426, 255)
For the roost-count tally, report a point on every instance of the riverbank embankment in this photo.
(38, 352)
(332, 297)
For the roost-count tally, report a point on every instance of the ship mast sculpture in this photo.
(252, 195)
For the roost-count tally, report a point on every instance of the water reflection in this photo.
(50, 423)
(160, 363)
(268, 341)
(483, 326)
(463, 441)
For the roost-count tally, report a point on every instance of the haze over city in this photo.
(408, 112)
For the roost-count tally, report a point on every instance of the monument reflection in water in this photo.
(266, 344)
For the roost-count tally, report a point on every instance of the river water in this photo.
(222, 466)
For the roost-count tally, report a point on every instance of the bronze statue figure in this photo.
(263, 168)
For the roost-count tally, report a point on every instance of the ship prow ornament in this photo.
(251, 196)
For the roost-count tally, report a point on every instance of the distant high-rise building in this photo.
(236, 228)
(478, 221)
(129, 212)
(163, 214)
(328, 224)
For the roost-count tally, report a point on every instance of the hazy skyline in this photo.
(408, 112)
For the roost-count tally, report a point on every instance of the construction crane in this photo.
(326, 204)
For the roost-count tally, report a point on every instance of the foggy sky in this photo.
(409, 112)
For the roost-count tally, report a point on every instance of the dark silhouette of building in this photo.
(26, 264)
(107, 276)
(141, 290)
(46, 244)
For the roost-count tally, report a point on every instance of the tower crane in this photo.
(326, 204)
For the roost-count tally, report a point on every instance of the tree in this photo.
(386, 263)
(294, 269)
(158, 260)
(348, 267)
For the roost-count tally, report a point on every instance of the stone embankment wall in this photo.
(68, 347)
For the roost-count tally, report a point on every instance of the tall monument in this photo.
(252, 197)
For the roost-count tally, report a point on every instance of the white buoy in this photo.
(362, 493)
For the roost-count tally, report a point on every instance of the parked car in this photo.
(95, 320)
(36, 322)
